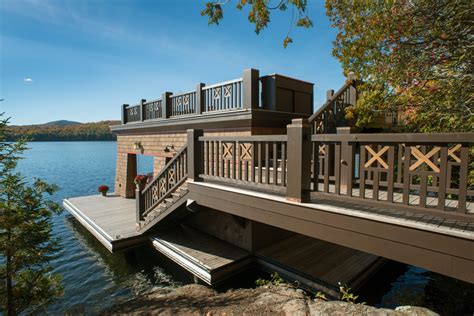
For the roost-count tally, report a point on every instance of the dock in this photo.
(208, 258)
(111, 219)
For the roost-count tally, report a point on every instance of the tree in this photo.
(259, 13)
(416, 58)
(26, 242)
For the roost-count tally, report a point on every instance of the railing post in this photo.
(142, 110)
(195, 154)
(352, 90)
(124, 113)
(299, 161)
(251, 88)
(347, 161)
(166, 104)
(140, 205)
(200, 101)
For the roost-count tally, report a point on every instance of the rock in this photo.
(269, 300)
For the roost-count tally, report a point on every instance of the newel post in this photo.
(142, 109)
(166, 104)
(251, 87)
(299, 161)
(347, 161)
(200, 100)
(195, 154)
(140, 205)
(124, 113)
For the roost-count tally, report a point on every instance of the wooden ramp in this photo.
(316, 264)
(210, 259)
(111, 219)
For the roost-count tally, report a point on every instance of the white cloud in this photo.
(28, 80)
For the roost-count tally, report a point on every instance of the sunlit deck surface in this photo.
(318, 264)
(111, 219)
(210, 259)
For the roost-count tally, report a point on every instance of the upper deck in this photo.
(249, 101)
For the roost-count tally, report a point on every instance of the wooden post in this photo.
(139, 204)
(299, 161)
(124, 113)
(251, 87)
(352, 90)
(346, 161)
(166, 104)
(142, 110)
(195, 154)
(200, 99)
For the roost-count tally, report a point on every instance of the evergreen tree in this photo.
(26, 242)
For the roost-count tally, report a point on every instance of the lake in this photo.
(94, 279)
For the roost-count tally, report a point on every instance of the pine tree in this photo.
(27, 245)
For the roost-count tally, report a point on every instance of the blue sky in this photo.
(80, 60)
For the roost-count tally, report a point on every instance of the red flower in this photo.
(140, 179)
(103, 188)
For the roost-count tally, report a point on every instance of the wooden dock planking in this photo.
(319, 260)
(111, 219)
(210, 259)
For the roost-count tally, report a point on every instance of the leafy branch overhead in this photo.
(259, 13)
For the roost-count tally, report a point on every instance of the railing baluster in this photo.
(390, 173)
(267, 163)
(406, 175)
(260, 162)
(283, 164)
(327, 152)
(337, 171)
(275, 162)
(463, 172)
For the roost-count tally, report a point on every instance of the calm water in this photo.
(94, 279)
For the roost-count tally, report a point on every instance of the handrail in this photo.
(173, 174)
(224, 83)
(331, 100)
(398, 137)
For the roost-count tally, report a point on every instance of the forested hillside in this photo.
(63, 131)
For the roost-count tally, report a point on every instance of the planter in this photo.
(104, 193)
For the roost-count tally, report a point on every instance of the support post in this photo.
(195, 154)
(142, 109)
(166, 104)
(251, 88)
(299, 161)
(124, 113)
(140, 205)
(352, 90)
(347, 161)
(200, 100)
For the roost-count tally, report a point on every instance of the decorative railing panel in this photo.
(153, 110)
(420, 171)
(132, 113)
(183, 104)
(247, 160)
(223, 96)
(166, 182)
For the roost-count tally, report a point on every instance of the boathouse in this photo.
(246, 174)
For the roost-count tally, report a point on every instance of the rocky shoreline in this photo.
(267, 300)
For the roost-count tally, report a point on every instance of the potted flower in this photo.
(103, 189)
(140, 181)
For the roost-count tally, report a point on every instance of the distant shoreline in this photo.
(59, 131)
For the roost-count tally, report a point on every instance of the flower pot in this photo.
(104, 193)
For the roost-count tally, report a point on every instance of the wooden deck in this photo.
(111, 219)
(318, 264)
(210, 259)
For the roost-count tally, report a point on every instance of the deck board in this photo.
(321, 260)
(207, 257)
(111, 219)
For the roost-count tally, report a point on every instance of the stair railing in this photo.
(173, 174)
(331, 115)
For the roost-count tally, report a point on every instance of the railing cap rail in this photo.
(254, 138)
(152, 101)
(224, 83)
(398, 137)
(174, 95)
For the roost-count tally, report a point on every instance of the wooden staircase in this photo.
(166, 193)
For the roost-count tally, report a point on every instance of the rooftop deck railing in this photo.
(273, 92)
(417, 173)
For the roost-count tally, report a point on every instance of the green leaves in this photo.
(259, 13)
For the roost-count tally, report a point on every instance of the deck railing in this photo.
(173, 174)
(246, 160)
(418, 173)
(183, 103)
(422, 172)
(224, 96)
(332, 113)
